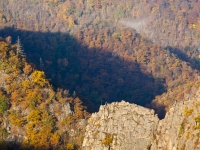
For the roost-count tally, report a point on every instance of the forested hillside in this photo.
(59, 58)
(32, 115)
(106, 51)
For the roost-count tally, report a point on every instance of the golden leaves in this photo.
(39, 78)
(16, 119)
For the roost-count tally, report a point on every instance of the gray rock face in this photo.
(130, 126)
(178, 130)
(133, 127)
(60, 110)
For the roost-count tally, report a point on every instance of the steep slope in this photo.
(32, 115)
(128, 126)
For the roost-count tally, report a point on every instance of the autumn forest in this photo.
(87, 53)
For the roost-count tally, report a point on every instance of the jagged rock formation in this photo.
(131, 126)
(180, 127)
(138, 128)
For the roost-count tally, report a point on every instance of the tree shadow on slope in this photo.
(96, 76)
(8, 145)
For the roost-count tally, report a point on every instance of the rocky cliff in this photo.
(180, 127)
(128, 126)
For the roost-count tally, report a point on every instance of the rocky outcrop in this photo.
(60, 111)
(179, 129)
(128, 126)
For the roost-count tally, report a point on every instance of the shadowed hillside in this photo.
(96, 75)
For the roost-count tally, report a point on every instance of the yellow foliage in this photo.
(9, 70)
(3, 49)
(90, 121)
(27, 84)
(192, 26)
(16, 97)
(47, 120)
(197, 119)
(187, 135)
(39, 78)
(69, 146)
(39, 141)
(108, 140)
(186, 111)
(34, 116)
(78, 109)
(66, 121)
(34, 97)
(14, 60)
(54, 140)
(45, 131)
(30, 129)
(16, 119)
(71, 22)
(39, 130)
(27, 69)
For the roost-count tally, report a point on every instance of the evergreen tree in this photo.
(19, 50)
(41, 64)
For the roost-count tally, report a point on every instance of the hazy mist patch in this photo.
(135, 24)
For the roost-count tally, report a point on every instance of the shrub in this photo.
(108, 140)
(16, 119)
(4, 104)
(70, 146)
